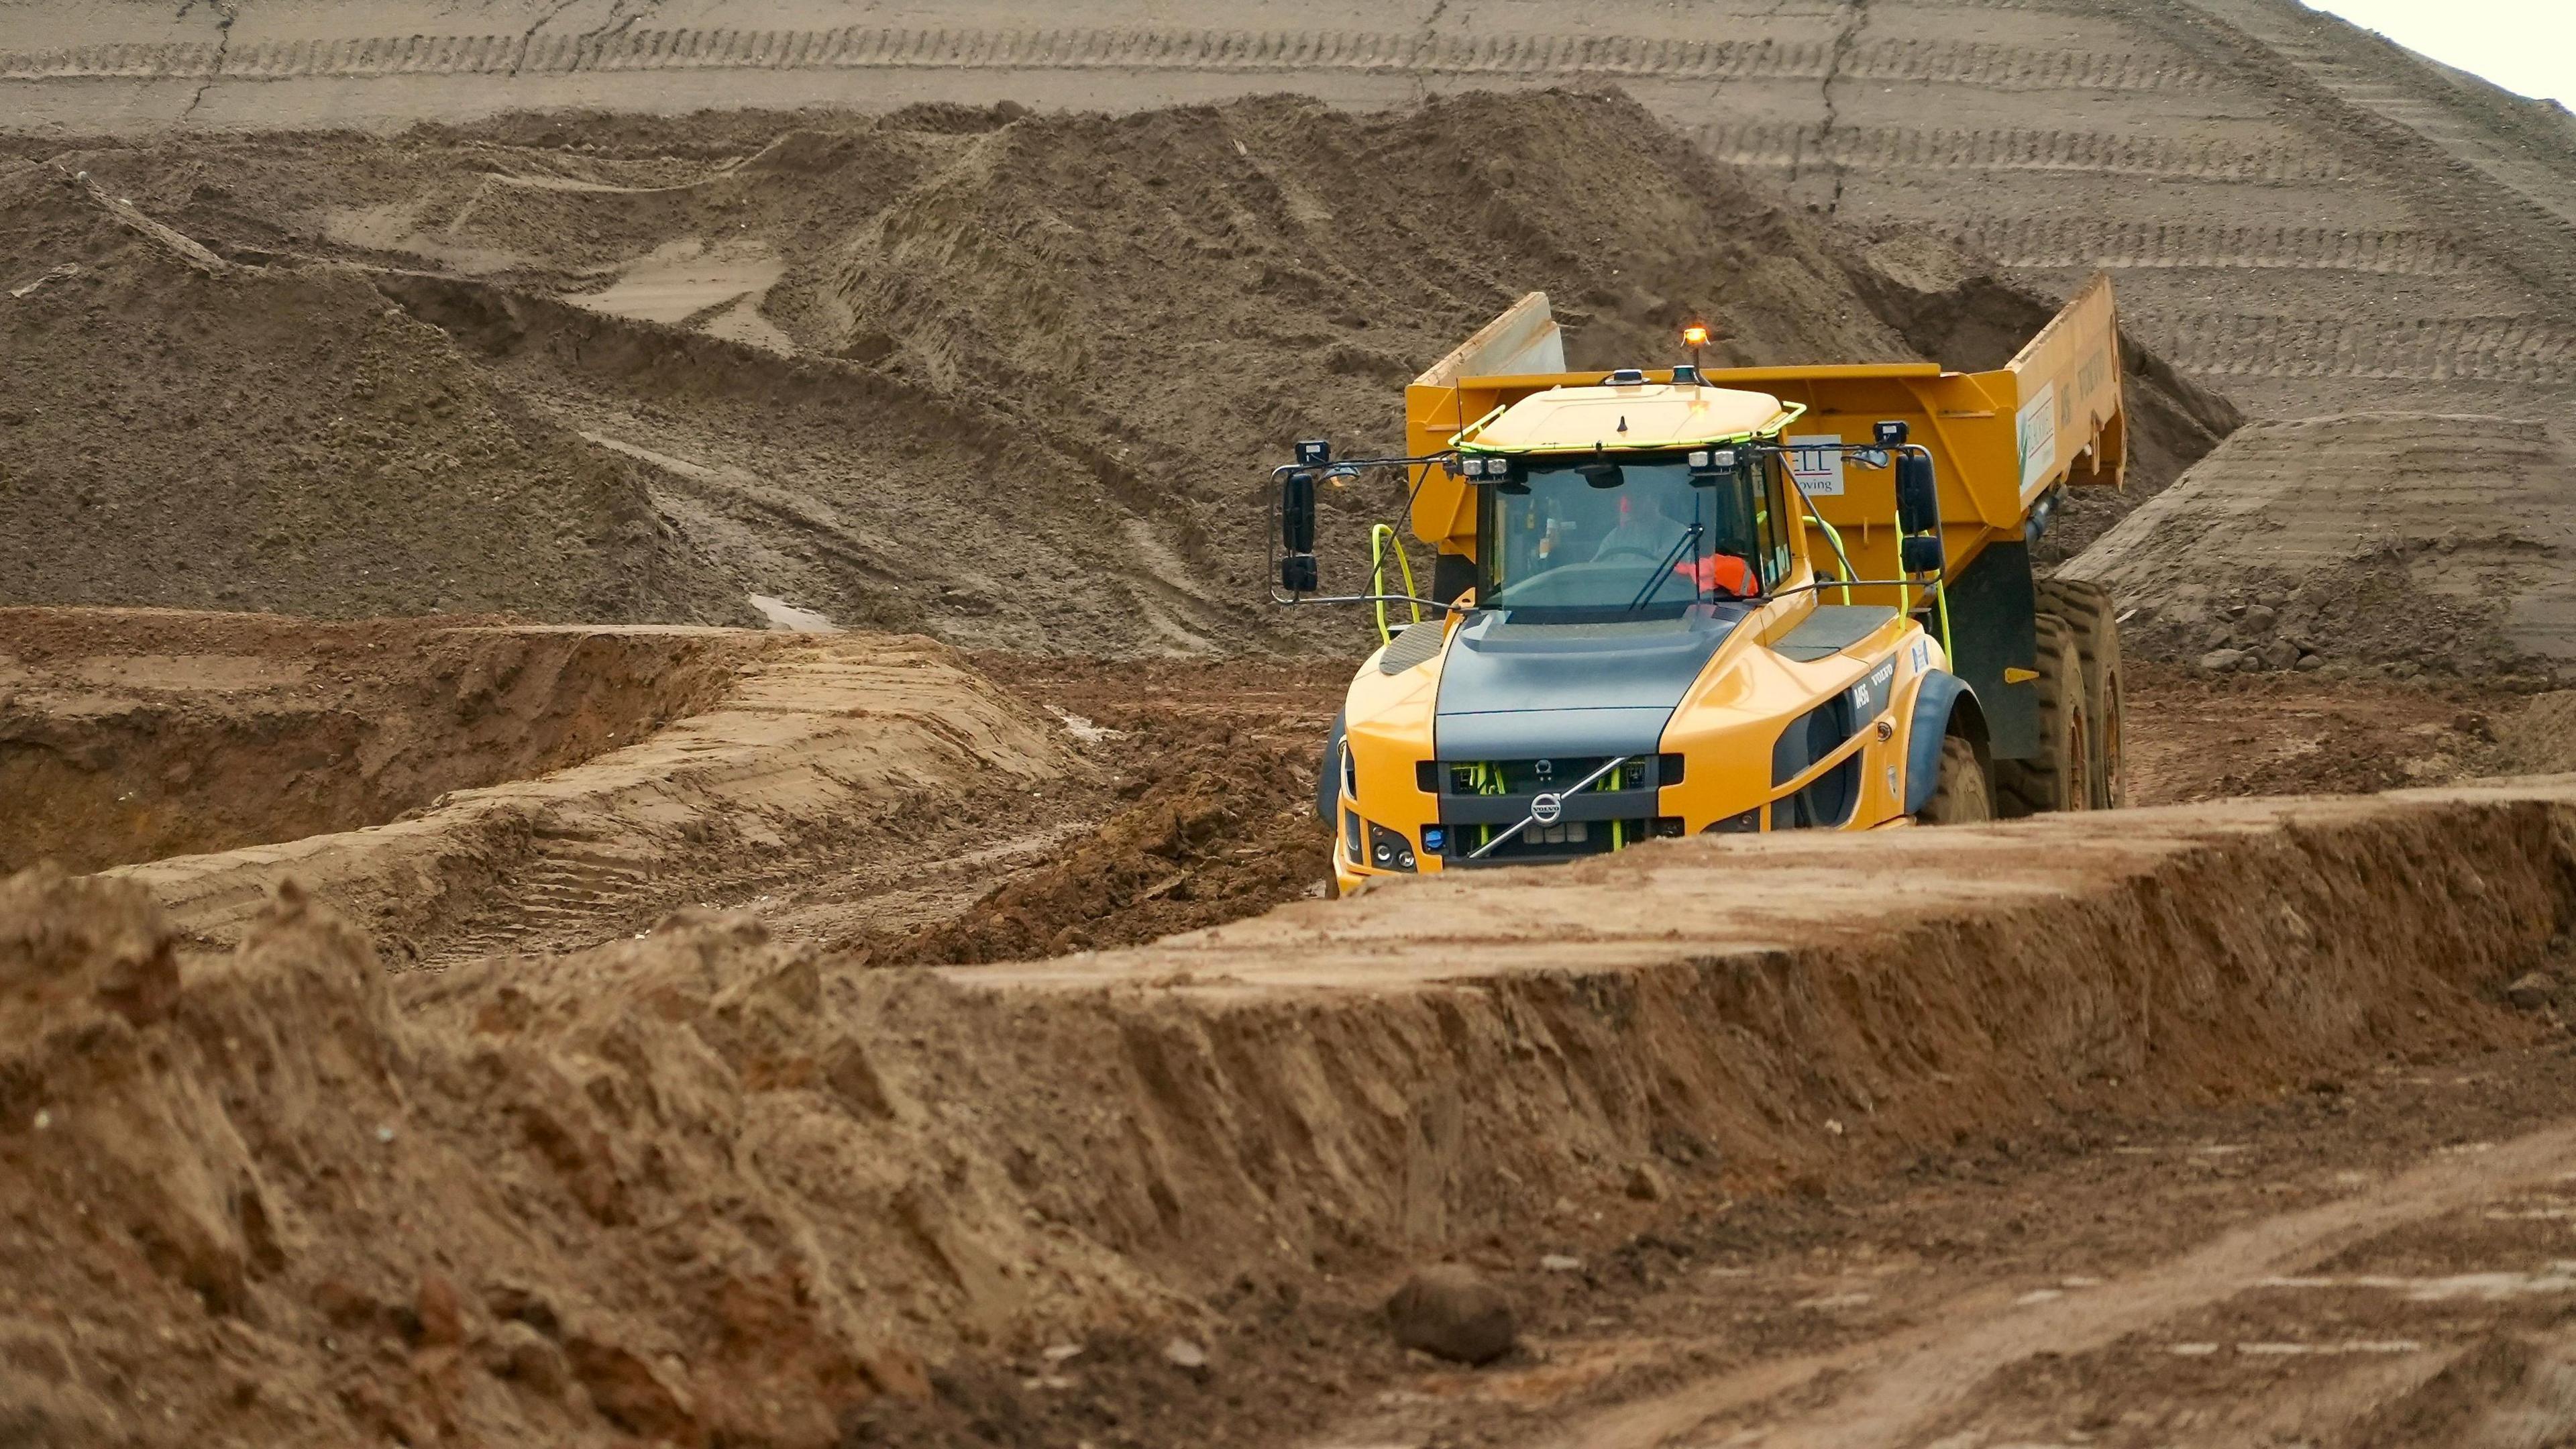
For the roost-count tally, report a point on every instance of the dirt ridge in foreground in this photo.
(700, 1186)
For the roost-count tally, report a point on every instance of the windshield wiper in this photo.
(1664, 570)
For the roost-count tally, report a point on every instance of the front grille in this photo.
(1530, 777)
(1565, 840)
(1480, 799)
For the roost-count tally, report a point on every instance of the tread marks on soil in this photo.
(1889, 148)
(1534, 57)
(2043, 243)
(2395, 90)
(527, 37)
(2427, 349)
(2517, 233)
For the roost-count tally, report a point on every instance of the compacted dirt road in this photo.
(2383, 1260)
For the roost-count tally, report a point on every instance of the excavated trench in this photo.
(134, 735)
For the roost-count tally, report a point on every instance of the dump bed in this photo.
(2001, 441)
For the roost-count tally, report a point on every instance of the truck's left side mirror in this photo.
(1918, 497)
(1297, 571)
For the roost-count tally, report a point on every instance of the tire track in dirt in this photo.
(2493, 217)
(2425, 349)
(2339, 59)
(2038, 242)
(1970, 63)
(1890, 148)
(1885, 1389)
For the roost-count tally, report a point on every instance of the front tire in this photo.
(1961, 794)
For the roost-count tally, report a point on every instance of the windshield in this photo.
(1649, 544)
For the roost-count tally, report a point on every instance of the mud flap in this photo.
(1328, 780)
(1993, 607)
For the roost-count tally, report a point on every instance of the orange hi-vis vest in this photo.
(1721, 571)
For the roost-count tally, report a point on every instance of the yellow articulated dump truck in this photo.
(1680, 600)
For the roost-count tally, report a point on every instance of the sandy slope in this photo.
(2299, 207)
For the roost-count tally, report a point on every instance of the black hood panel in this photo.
(1512, 691)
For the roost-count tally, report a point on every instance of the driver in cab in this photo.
(1645, 528)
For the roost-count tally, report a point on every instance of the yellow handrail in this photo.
(1379, 534)
(1834, 537)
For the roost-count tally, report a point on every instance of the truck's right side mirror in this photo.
(1297, 571)
(1918, 498)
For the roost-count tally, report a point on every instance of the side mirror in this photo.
(1918, 498)
(1922, 554)
(1297, 571)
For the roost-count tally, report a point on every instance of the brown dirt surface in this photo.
(1214, 783)
(2197, 736)
(186, 433)
(2413, 544)
(840, 351)
(129, 735)
(706, 1187)
(2297, 210)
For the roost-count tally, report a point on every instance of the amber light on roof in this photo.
(1695, 335)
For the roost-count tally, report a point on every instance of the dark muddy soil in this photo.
(1214, 816)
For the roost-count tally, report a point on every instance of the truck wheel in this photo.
(1961, 795)
(2094, 620)
(2060, 776)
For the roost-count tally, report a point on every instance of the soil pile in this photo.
(1213, 813)
(187, 432)
(2437, 545)
(129, 735)
(2297, 210)
(1018, 380)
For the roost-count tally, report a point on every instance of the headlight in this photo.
(1388, 850)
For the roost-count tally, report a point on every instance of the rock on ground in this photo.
(1453, 1312)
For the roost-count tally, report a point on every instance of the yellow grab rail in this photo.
(1379, 535)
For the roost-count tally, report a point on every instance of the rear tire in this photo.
(2094, 620)
(2060, 776)
(1962, 795)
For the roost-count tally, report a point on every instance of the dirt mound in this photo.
(2312, 218)
(1016, 380)
(2416, 544)
(699, 1188)
(186, 432)
(1214, 820)
(128, 735)
(829, 772)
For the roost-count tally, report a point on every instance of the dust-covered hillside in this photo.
(1012, 379)
(181, 431)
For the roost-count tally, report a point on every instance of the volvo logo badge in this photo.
(1546, 809)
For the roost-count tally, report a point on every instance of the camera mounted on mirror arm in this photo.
(1294, 516)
